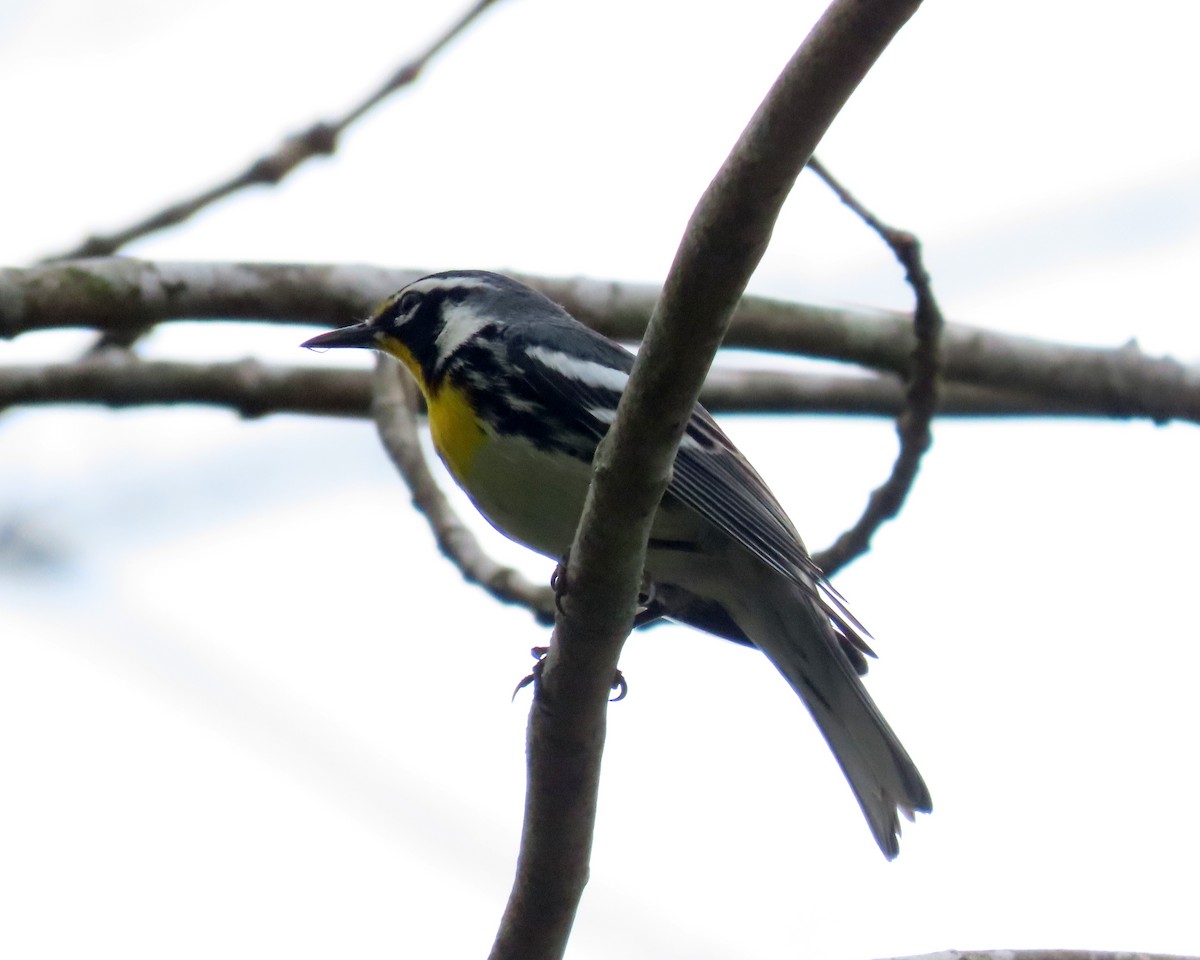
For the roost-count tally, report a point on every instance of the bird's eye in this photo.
(396, 311)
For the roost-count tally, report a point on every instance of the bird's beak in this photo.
(358, 335)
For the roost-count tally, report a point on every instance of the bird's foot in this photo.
(619, 684)
(538, 654)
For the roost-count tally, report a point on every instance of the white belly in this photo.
(535, 498)
(529, 495)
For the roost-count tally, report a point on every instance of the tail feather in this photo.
(797, 637)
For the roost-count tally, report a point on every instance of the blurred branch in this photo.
(120, 293)
(394, 408)
(248, 387)
(1122, 382)
(320, 139)
(251, 389)
(920, 397)
(723, 242)
(1044, 955)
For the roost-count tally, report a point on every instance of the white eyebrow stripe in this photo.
(584, 371)
(436, 283)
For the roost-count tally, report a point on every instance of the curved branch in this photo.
(394, 408)
(921, 396)
(121, 293)
(721, 247)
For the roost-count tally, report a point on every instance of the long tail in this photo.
(797, 637)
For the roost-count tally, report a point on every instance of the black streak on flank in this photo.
(511, 406)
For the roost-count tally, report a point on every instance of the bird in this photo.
(519, 394)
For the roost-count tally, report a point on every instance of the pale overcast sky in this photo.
(245, 708)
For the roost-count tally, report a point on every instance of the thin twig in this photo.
(252, 389)
(722, 244)
(913, 426)
(394, 408)
(321, 139)
(268, 170)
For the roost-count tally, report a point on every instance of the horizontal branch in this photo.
(117, 293)
(1120, 382)
(254, 389)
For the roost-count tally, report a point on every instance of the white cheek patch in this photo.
(460, 323)
(583, 371)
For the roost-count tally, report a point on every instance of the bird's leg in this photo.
(560, 585)
(649, 608)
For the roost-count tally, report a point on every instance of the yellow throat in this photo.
(457, 434)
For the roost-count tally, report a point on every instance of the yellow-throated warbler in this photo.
(519, 394)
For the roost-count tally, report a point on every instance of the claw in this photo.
(558, 582)
(539, 654)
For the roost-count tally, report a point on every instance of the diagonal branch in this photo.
(270, 169)
(720, 249)
(321, 139)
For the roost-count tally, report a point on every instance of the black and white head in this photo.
(426, 323)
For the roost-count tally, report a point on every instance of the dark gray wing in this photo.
(711, 475)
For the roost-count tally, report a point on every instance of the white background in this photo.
(245, 708)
